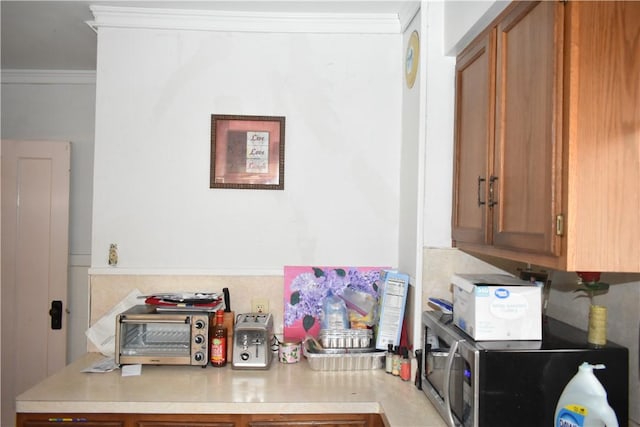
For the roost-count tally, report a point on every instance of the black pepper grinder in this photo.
(418, 380)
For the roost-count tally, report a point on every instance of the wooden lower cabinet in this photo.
(324, 420)
(198, 420)
(60, 419)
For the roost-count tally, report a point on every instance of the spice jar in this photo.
(405, 368)
(395, 369)
(388, 359)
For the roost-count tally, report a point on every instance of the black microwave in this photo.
(513, 383)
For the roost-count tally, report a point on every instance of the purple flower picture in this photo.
(307, 287)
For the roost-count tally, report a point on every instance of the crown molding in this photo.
(242, 21)
(69, 77)
(487, 17)
(406, 12)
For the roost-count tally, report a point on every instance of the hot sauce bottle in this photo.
(218, 342)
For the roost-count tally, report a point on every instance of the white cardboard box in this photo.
(495, 307)
(392, 299)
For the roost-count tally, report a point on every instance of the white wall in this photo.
(411, 153)
(156, 90)
(466, 19)
(438, 160)
(411, 177)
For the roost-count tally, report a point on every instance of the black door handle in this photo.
(56, 314)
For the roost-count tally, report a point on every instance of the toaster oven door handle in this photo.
(447, 382)
(156, 320)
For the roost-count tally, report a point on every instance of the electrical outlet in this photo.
(260, 305)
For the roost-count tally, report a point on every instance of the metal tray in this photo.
(342, 359)
(346, 338)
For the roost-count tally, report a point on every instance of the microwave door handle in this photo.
(447, 380)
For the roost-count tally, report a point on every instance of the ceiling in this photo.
(54, 35)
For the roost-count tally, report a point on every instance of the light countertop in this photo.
(283, 389)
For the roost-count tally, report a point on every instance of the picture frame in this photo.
(247, 152)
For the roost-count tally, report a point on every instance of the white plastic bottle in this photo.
(583, 402)
(334, 313)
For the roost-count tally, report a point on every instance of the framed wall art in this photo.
(247, 152)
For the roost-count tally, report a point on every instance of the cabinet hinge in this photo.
(559, 225)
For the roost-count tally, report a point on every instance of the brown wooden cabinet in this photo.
(475, 86)
(547, 141)
(201, 420)
(92, 423)
(58, 419)
(325, 420)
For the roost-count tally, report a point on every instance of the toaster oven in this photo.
(146, 336)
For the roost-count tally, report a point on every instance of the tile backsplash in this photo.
(107, 290)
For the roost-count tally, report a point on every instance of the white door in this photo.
(35, 224)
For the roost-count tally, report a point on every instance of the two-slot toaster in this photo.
(252, 341)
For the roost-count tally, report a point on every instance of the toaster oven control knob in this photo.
(199, 339)
(198, 357)
(199, 324)
(244, 356)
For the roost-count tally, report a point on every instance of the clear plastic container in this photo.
(334, 313)
(346, 338)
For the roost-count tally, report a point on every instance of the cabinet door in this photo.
(473, 141)
(185, 423)
(309, 423)
(59, 419)
(602, 128)
(526, 179)
(44, 423)
(325, 420)
(186, 420)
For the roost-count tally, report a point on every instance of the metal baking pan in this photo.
(346, 338)
(341, 359)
